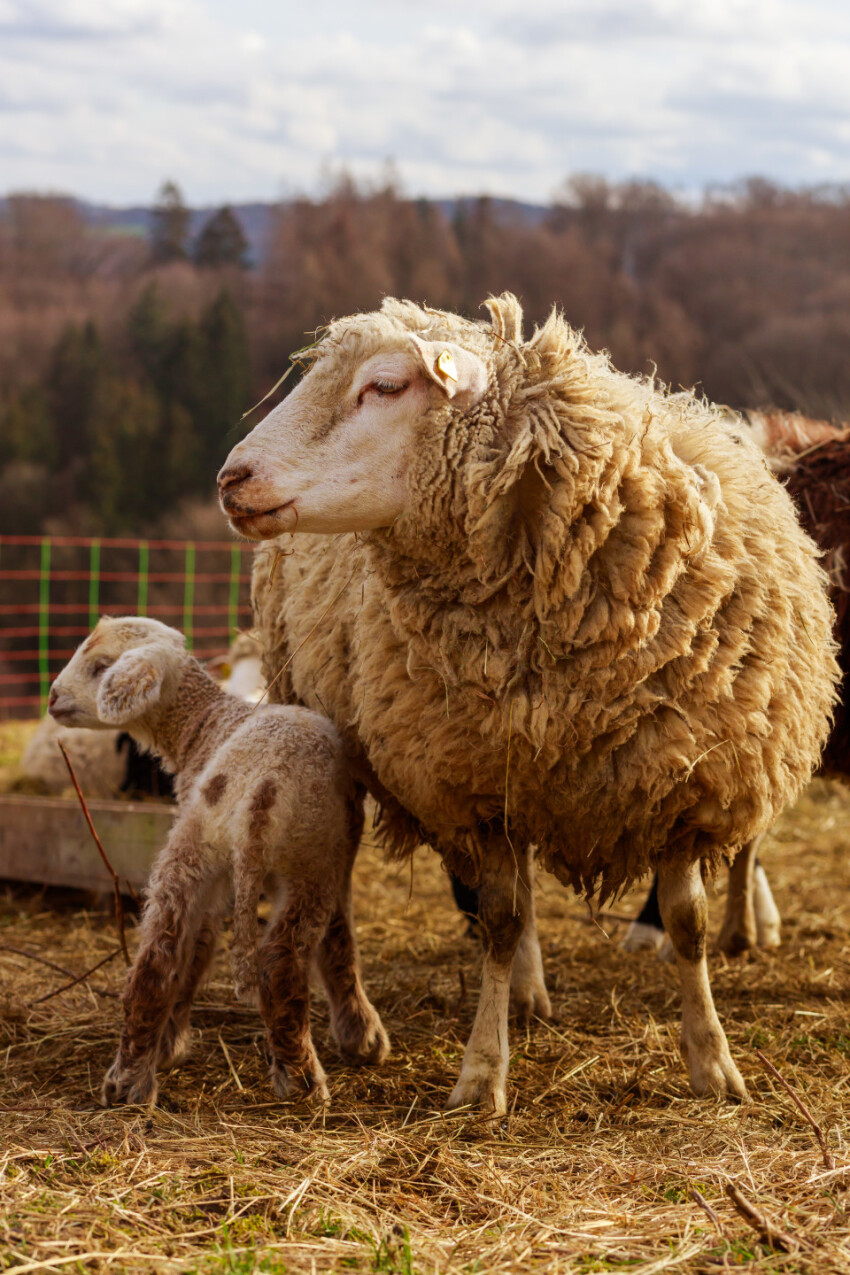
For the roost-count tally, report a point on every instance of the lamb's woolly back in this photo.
(598, 613)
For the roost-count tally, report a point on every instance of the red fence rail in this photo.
(53, 589)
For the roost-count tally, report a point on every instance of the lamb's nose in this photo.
(232, 475)
(52, 697)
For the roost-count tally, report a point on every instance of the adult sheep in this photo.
(577, 613)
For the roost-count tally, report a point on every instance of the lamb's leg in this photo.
(739, 932)
(248, 885)
(284, 961)
(355, 1023)
(175, 1042)
(178, 898)
(504, 904)
(704, 1047)
(529, 997)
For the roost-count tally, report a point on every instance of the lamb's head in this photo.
(124, 669)
(337, 453)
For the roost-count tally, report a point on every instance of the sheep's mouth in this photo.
(266, 524)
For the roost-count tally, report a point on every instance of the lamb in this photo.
(812, 459)
(265, 802)
(575, 613)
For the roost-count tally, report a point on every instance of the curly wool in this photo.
(598, 625)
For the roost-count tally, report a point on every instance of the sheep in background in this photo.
(812, 460)
(576, 614)
(110, 763)
(265, 802)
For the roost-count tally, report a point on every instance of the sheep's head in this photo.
(336, 454)
(120, 673)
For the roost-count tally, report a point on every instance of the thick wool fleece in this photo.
(598, 619)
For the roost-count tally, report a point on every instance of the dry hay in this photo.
(592, 1170)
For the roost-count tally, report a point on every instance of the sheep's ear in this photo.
(129, 688)
(461, 375)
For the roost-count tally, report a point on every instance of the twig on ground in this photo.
(773, 1236)
(79, 979)
(32, 956)
(828, 1160)
(119, 905)
(700, 1199)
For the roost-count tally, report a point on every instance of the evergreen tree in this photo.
(170, 225)
(71, 387)
(228, 376)
(222, 241)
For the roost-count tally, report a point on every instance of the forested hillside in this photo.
(126, 363)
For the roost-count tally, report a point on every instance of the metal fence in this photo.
(53, 589)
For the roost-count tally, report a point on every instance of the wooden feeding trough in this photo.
(47, 840)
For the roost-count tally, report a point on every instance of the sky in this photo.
(241, 100)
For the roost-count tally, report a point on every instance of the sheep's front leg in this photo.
(681, 896)
(355, 1023)
(504, 904)
(529, 997)
(177, 900)
(284, 981)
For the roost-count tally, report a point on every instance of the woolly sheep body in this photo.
(595, 627)
(657, 650)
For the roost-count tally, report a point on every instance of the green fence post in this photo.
(44, 623)
(189, 593)
(142, 595)
(233, 601)
(94, 582)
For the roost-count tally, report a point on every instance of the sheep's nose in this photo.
(52, 697)
(232, 475)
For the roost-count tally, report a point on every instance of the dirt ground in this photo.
(594, 1168)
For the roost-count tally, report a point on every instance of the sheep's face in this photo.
(118, 675)
(334, 456)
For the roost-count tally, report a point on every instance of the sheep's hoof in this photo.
(308, 1086)
(735, 941)
(136, 1086)
(364, 1043)
(716, 1075)
(640, 936)
(529, 1002)
(479, 1087)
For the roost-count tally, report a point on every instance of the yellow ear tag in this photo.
(446, 365)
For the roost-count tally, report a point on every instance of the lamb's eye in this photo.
(100, 667)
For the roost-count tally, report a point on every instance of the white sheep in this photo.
(266, 802)
(577, 614)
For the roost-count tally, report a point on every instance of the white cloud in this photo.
(104, 98)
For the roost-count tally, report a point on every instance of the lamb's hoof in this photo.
(529, 1002)
(480, 1087)
(175, 1048)
(666, 951)
(301, 1086)
(135, 1087)
(716, 1075)
(640, 936)
(365, 1044)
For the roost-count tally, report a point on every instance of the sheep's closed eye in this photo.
(100, 667)
(383, 388)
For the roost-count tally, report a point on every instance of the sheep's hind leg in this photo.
(284, 981)
(503, 910)
(740, 932)
(529, 997)
(355, 1023)
(704, 1046)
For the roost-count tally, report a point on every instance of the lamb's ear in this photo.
(461, 375)
(129, 688)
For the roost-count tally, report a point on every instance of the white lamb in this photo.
(266, 802)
